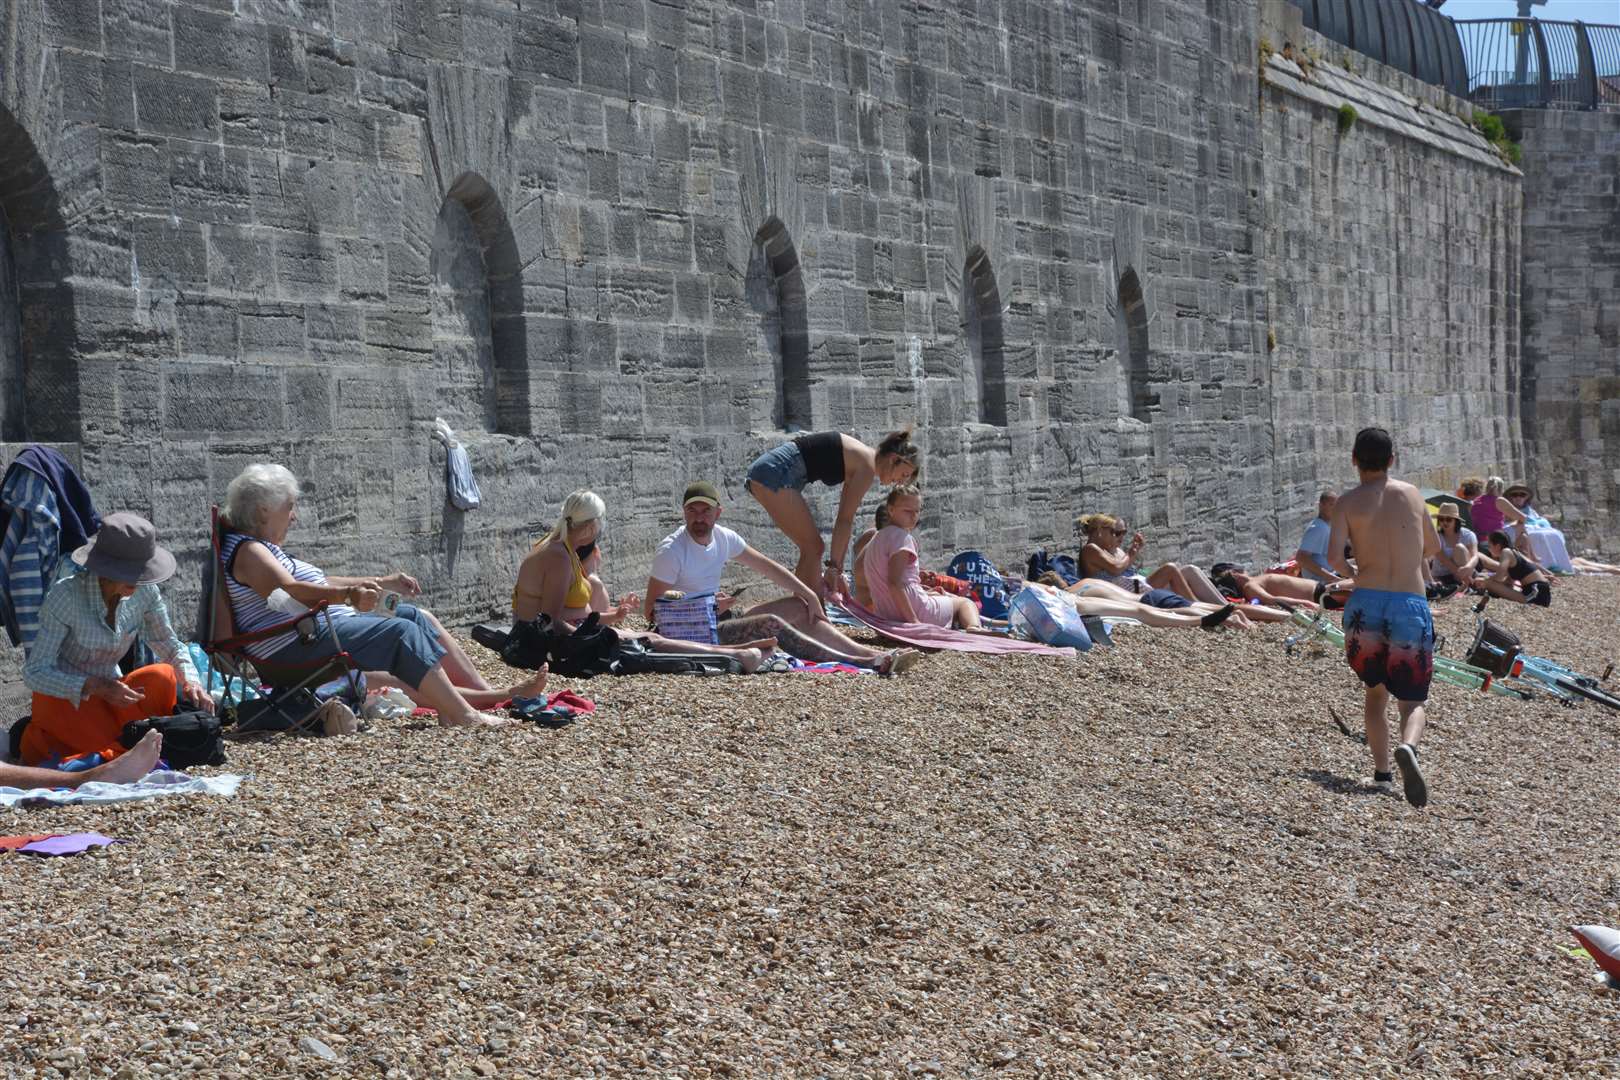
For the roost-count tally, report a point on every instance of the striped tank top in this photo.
(249, 608)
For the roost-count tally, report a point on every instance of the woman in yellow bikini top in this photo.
(576, 533)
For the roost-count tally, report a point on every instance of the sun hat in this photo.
(126, 549)
(1516, 489)
(701, 491)
(1448, 510)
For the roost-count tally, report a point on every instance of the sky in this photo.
(1593, 11)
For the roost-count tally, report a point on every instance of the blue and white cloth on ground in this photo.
(153, 785)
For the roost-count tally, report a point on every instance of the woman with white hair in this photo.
(409, 649)
(556, 580)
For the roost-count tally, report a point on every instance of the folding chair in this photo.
(227, 649)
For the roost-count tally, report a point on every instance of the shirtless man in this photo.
(1388, 631)
(1279, 590)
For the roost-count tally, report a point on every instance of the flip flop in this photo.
(902, 661)
(536, 711)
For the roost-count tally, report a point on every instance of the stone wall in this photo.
(624, 243)
(1392, 260)
(1572, 319)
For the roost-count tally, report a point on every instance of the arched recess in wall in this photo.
(1131, 333)
(985, 377)
(775, 289)
(39, 371)
(480, 339)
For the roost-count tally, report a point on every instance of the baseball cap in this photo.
(701, 491)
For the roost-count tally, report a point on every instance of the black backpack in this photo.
(189, 738)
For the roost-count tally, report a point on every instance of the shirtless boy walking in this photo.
(1388, 631)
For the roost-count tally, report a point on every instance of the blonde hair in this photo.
(580, 507)
(901, 491)
(1494, 485)
(1086, 524)
(257, 490)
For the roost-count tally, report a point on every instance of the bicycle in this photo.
(1499, 651)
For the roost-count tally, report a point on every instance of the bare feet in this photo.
(534, 686)
(750, 659)
(132, 764)
(765, 645)
(471, 719)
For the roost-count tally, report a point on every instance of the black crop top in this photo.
(1522, 568)
(823, 455)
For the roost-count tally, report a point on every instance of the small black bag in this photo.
(14, 742)
(189, 738)
(286, 712)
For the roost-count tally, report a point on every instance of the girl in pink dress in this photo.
(890, 562)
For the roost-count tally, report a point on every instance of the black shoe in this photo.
(1215, 618)
(1417, 788)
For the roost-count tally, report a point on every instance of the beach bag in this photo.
(1040, 614)
(1061, 565)
(291, 711)
(987, 582)
(689, 618)
(189, 738)
(460, 487)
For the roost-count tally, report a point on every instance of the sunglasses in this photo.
(1119, 532)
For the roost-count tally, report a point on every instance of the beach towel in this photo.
(57, 843)
(152, 786)
(937, 637)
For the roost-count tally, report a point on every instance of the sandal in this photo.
(535, 710)
(900, 661)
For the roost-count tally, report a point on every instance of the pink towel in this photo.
(935, 637)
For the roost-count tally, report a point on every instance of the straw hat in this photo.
(1517, 489)
(126, 549)
(1448, 510)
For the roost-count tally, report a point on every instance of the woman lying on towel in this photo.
(889, 562)
(408, 649)
(1110, 602)
(86, 624)
(1102, 558)
(555, 580)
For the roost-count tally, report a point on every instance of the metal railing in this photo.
(1541, 63)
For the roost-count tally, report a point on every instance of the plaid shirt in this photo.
(75, 642)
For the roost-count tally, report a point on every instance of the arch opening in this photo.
(39, 369)
(480, 337)
(1131, 333)
(775, 290)
(984, 378)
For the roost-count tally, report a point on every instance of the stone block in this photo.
(272, 331)
(180, 105)
(169, 253)
(545, 49)
(220, 45)
(74, 23)
(198, 397)
(138, 30)
(603, 61)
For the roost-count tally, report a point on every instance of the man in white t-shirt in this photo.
(1312, 555)
(692, 560)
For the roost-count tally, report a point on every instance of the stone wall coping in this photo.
(1384, 108)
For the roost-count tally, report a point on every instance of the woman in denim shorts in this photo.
(778, 477)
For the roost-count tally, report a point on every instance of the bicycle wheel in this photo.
(1590, 693)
